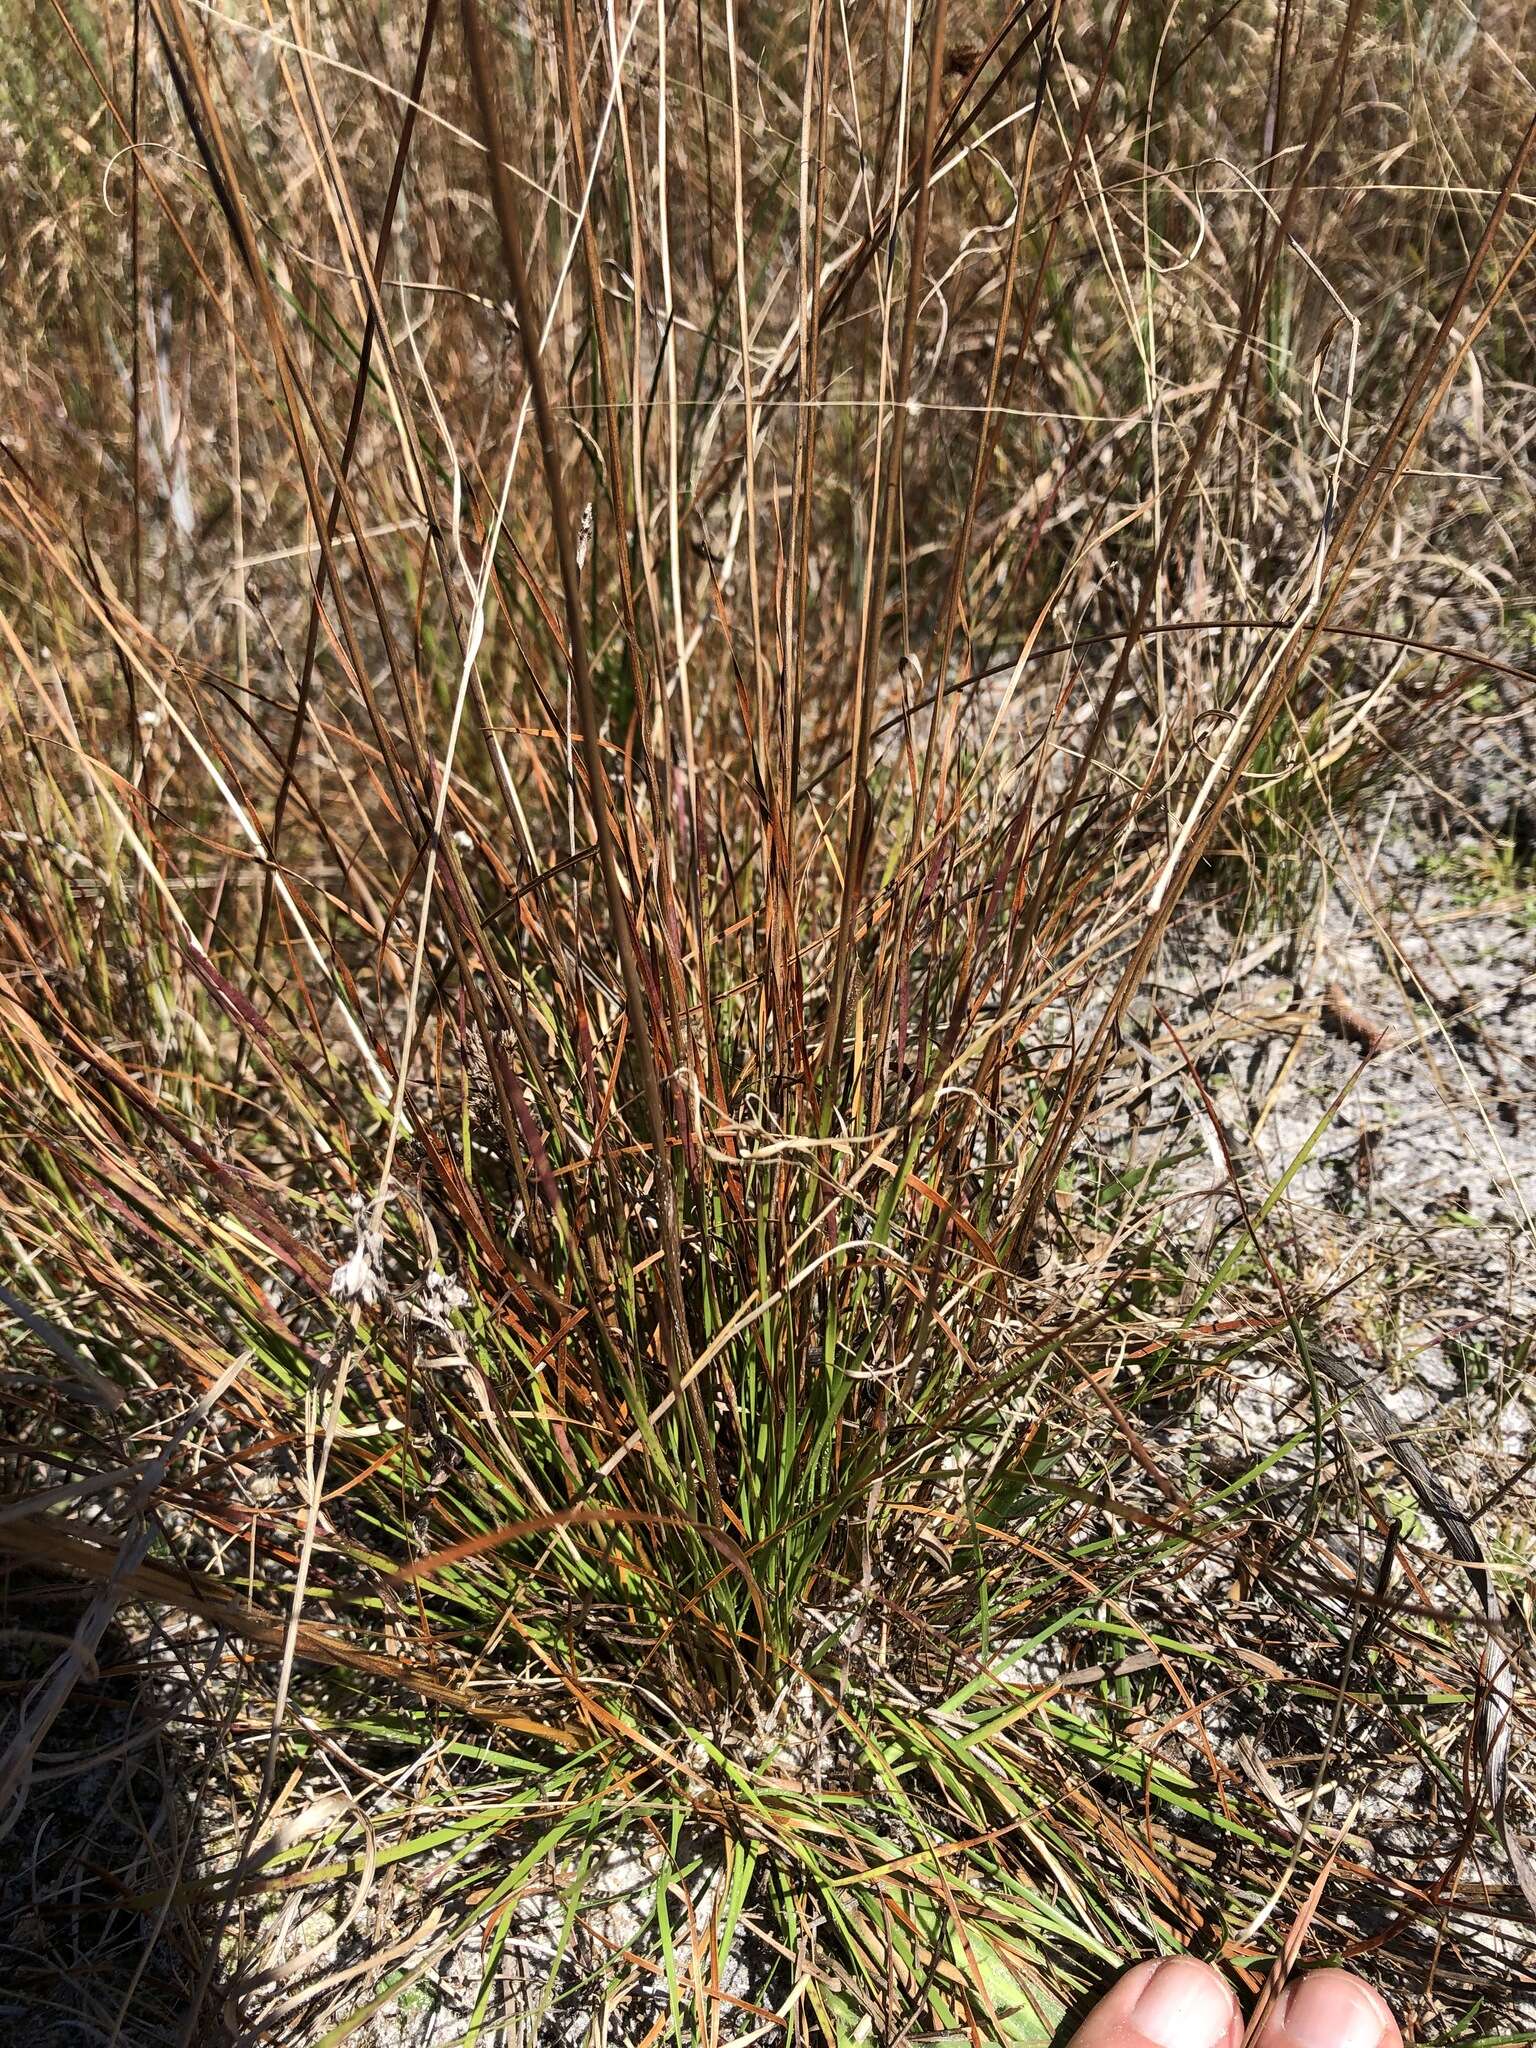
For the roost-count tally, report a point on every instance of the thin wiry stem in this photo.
(586, 711)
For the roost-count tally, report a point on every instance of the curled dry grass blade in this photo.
(560, 1017)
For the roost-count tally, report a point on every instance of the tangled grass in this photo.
(624, 634)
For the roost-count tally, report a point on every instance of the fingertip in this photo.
(1169, 2002)
(1331, 2009)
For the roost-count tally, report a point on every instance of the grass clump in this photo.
(623, 636)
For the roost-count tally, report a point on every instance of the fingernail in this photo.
(1331, 2009)
(1183, 2005)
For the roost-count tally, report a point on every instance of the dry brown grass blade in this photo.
(44, 1543)
(1497, 1662)
(348, 447)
